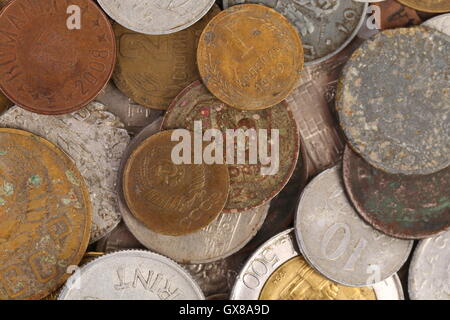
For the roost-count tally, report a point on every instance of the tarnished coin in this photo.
(51, 64)
(393, 101)
(5, 103)
(156, 17)
(276, 271)
(131, 275)
(337, 242)
(196, 103)
(250, 57)
(95, 139)
(440, 23)
(428, 5)
(153, 70)
(429, 273)
(407, 207)
(395, 15)
(326, 27)
(45, 216)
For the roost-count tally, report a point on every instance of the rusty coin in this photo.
(434, 6)
(394, 15)
(45, 66)
(196, 103)
(45, 216)
(153, 69)
(250, 57)
(408, 207)
(172, 199)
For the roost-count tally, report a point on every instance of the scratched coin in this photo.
(156, 17)
(396, 116)
(95, 139)
(48, 65)
(276, 271)
(397, 204)
(429, 273)
(196, 103)
(434, 6)
(337, 242)
(441, 23)
(250, 57)
(131, 275)
(325, 27)
(153, 70)
(45, 216)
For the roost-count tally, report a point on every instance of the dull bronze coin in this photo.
(48, 65)
(434, 6)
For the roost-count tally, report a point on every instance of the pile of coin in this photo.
(244, 149)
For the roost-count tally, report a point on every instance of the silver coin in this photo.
(131, 275)
(229, 233)
(429, 273)
(273, 254)
(337, 242)
(326, 27)
(440, 23)
(155, 16)
(95, 140)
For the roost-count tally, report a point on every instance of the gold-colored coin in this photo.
(296, 280)
(173, 199)
(45, 216)
(250, 57)
(152, 70)
(433, 6)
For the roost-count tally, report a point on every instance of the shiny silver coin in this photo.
(131, 275)
(337, 242)
(277, 251)
(440, 23)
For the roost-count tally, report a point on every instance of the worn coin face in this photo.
(156, 17)
(45, 216)
(441, 23)
(395, 15)
(95, 139)
(326, 27)
(429, 273)
(5, 103)
(337, 242)
(428, 5)
(153, 70)
(49, 67)
(277, 271)
(391, 113)
(397, 204)
(196, 103)
(131, 275)
(250, 57)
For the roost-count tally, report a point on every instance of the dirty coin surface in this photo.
(434, 6)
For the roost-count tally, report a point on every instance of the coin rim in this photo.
(416, 6)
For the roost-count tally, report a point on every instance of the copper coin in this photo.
(47, 68)
(45, 216)
(172, 199)
(250, 57)
(5, 103)
(196, 103)
(395, 15)
(153, 69)
(407, 207)
(434, 6)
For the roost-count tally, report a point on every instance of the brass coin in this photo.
(45, 216)
(172, 199)
(153, 69)
(296, 280)
(250, 57)
(434, 6)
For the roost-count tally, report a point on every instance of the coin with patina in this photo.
(5, 103)
(326, 27)
(153, 70)
(402, 206)
(45, 216)
(156, 17)
(393, 101)
(51, 64)
(395, 15)
(95, 139)
(434, 6)
(440, 23)
(250, 57)
(196, 103)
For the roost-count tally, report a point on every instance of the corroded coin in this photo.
(250, 57)
(393, 101)
(172, 199)
(5, 103)
(396, 15)
(407, 207)
(326, 27)
(196, 103)
(428, 5)
(46, 65)
(440, 23)
(95, 139)
(45, 216)
(153, 70)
